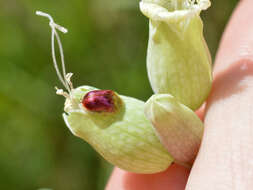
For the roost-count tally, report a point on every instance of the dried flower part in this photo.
(125, 138)
(178, 127)
(178, 60)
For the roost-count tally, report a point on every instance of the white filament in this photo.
(64, 79)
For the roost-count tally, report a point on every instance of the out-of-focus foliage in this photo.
(105, 47)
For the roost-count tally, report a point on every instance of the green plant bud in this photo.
(124, 136)
(178, 59)
(177, 126)
(114, 125)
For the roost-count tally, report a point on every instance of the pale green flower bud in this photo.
(178, 60)
(115, 126)
(177, 126)
(122, 135)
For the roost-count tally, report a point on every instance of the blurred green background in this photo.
(105, 47)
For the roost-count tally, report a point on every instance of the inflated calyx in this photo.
(178, 60)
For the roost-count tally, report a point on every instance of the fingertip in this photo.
(228, 121)
(201, 112)
(237, 41)
(174, 178)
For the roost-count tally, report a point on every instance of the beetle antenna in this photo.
(65, 79)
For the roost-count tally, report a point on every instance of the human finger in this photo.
(224, 160)
(174, 178)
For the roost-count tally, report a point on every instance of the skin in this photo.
(224, 161)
